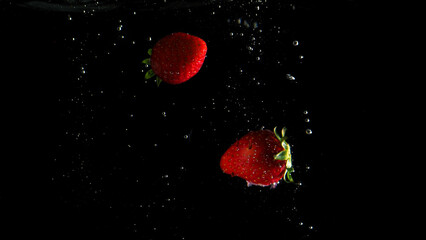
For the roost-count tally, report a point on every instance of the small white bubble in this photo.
(186, 136)
(164, 114)
(307, 120)
(295, 43)
(308, 131)
(305, 112)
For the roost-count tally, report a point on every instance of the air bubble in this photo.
(295, 43)
(164, 114)
(308, 131)
(307, 120)
(186, 136)
(290, 77)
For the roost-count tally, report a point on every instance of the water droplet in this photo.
(307, 120)
(305, 112)
(295, 43)
(308, 131)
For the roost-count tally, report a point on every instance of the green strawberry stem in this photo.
(151, 73)
(284, 155)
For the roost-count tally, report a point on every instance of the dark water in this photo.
(108, 152)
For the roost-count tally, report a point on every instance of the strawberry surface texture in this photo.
(259, 157)
(178, 57)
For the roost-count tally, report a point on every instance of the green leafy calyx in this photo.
(151, 73)
(284, 155)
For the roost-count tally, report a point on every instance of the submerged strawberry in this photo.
(260, 157)
(176, 58)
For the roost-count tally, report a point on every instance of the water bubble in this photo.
(295, 43)
(308, 131)
(164, 114)
(311, 227)
(119, 28)
(305, 112)
(186, 136)
(290, 77)
(307, 120)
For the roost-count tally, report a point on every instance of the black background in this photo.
(340, 88)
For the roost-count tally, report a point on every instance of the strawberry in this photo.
(176, 58)
(260, 157)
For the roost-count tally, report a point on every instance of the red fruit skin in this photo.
(252, 158)
(178, 57)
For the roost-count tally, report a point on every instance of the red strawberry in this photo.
(176, 58)
(260, 157)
